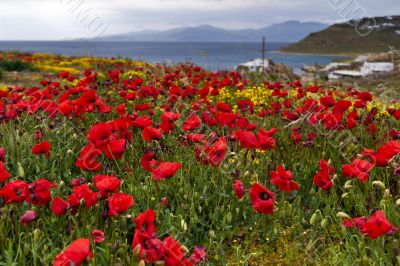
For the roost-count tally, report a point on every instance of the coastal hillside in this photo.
(289, 31)
(378, 35)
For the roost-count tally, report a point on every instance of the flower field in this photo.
(119, 162)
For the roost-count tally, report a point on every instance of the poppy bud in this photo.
(229, 217)
(343, 215)
(378, 184)
(348, 184)
(142, 263)
(160, 262)
(344, 195)
(183, 225)
(313, 219)
(324, 223)
(136, 250)
(21, 172)
(36, 235)
(212, 234)
(185, 249)
(398, 202)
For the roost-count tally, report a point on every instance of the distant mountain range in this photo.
(290, 31)
(378, 35)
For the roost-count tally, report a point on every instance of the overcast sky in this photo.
(61, 19)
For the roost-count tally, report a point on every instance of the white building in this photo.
(366, 69)
(376, 68)
(255, 65)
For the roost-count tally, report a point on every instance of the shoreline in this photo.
(323, 54)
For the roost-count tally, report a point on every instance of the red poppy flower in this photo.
(283, 179)
(119, 203)
(199, 254)
(145, 222)
(78, 181)
(265, 139)
(75, 254)
(64, 75)
(386, 153)
(38, 134)
(239, 189)
(59, 206)
(15, 192)
(164, 201)
(106, 183)
(327, 101)
(192, 123)
(121, 109)
(216, 153)
(82, 192)
(373, 227)
(40, 191)
(98, 236)
(150, 133)
(151, 249)
(247, 139)
(173, 252)
(100, 134)
(352, 120)
(165, 170)
(4, 175)
(170, 117)
(148, 161)
(65, 108)
(365, 96)
(359, 168)
(142, 122)
(42, 148)
(196, 138)
(2, 154)
(355, 222)
(295, 136)
(87, 159)
(323, 178)
(167, 127)
(115, 149)
(262, 199)
(114, 75)
(28, 217)
(377, 225)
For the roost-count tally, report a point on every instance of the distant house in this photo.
(255, 65)
(376, 68)
(337, 71)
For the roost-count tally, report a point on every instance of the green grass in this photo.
(15, 65)
(202, 208)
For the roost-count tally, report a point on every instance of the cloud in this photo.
(56, 19)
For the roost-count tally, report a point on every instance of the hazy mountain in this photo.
(367, 35)
(290, 31)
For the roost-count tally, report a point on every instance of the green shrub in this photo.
(1, 74)
(15, 65)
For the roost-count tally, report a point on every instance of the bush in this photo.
(15, 65)
(1, 74)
